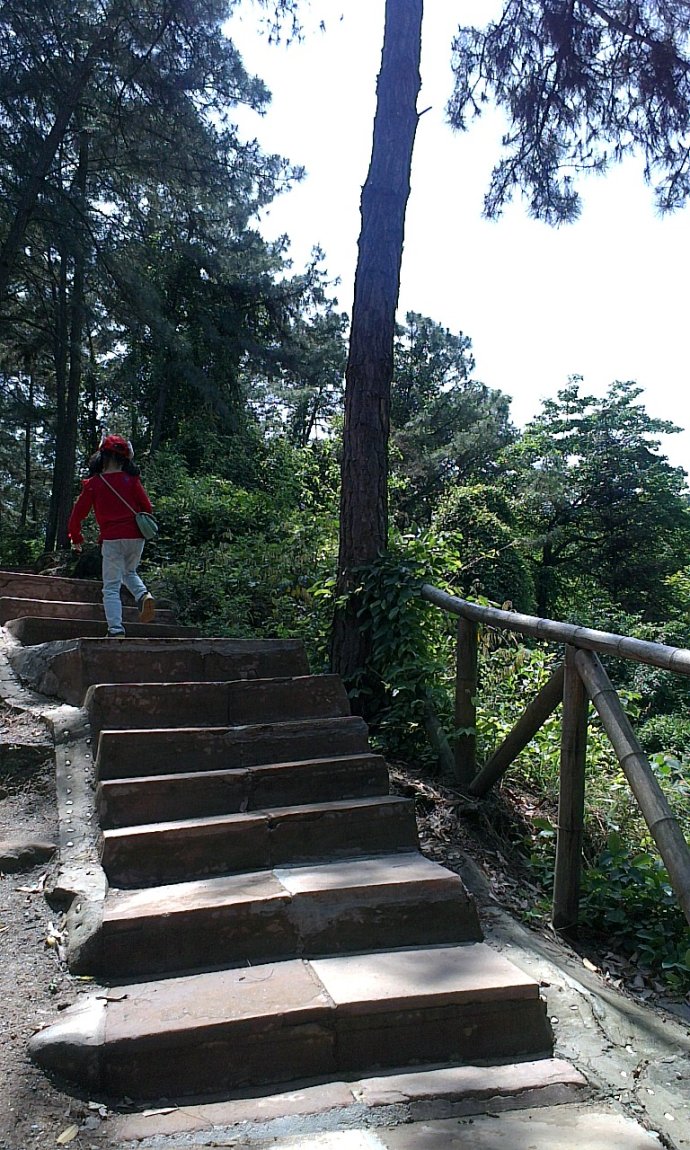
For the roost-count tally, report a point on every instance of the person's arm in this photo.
(79, 512)
(141, 497)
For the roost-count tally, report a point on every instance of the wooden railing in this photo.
(580, 678)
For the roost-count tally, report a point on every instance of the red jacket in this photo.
(115, 521)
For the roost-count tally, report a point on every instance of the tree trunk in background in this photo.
(364, 476)
(28, 433)
(76, 347)
(60, 359)
(73, 336)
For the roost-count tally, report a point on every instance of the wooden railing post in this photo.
(657, 813)
(571, 801)
(465, 703)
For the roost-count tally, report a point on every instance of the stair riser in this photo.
(177, 663)
(147, 706)
(155, 856)
(166, 798)
(280, 928)
(449, 1033)
(23, 586)
(87, 612)
(124, 754)
(228, 1057)
(32, 631)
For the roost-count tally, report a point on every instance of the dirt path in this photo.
(34, 982)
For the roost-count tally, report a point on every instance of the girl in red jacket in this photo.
(116, 494)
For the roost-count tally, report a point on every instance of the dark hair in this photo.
(98, 460)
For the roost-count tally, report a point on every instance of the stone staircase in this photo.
(261, 913)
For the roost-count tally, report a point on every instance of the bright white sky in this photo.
(600, 298)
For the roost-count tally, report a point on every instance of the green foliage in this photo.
(626, 894)
(628, 898)
(492, 562)
(19, 549)
(411, 644)
(582, 86)
(446, 428)
(598, 503)
(238, 561)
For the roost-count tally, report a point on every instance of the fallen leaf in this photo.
(67, 1135)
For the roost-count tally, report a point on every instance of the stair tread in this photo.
(167, 749)
(13, 607)
(300, 990)
(164, 687)
(50, 586)
(258, 730)
(472, 1084)
(363, 874)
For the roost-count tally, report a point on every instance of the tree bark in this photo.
(364, 472)
(76, 350)
(69, 362)
(60, 359)
(28, 433)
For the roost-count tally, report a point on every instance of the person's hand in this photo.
(76, 546)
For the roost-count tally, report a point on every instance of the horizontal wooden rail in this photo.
(606, 643)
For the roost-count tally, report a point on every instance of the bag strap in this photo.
(121, 497)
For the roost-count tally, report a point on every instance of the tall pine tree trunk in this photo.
(28, 434)
(70, 368)
(60, 360)
(364, 487)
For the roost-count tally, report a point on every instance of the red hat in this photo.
(117, 446)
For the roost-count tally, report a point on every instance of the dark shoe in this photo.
(116, 635)
(147, 607)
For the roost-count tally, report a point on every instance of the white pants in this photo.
(121, 557)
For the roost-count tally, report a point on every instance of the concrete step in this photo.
(393, 900)
(190, 795)
(127, 754)
(153, 705)
(205, 1033)
(13, 608)
(487, 1102)
(25, 586)
(68, 669)
(34, 630)
(286, 1119)
(159, 853)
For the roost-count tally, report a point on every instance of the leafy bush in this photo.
(19, 548)
(411, 662)
(627, 897)
(492, 561)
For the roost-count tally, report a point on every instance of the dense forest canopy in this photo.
(140, 295)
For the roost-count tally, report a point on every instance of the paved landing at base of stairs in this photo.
(563, 1128)
(574, 1126)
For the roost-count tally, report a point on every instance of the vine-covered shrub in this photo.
(411, 643)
